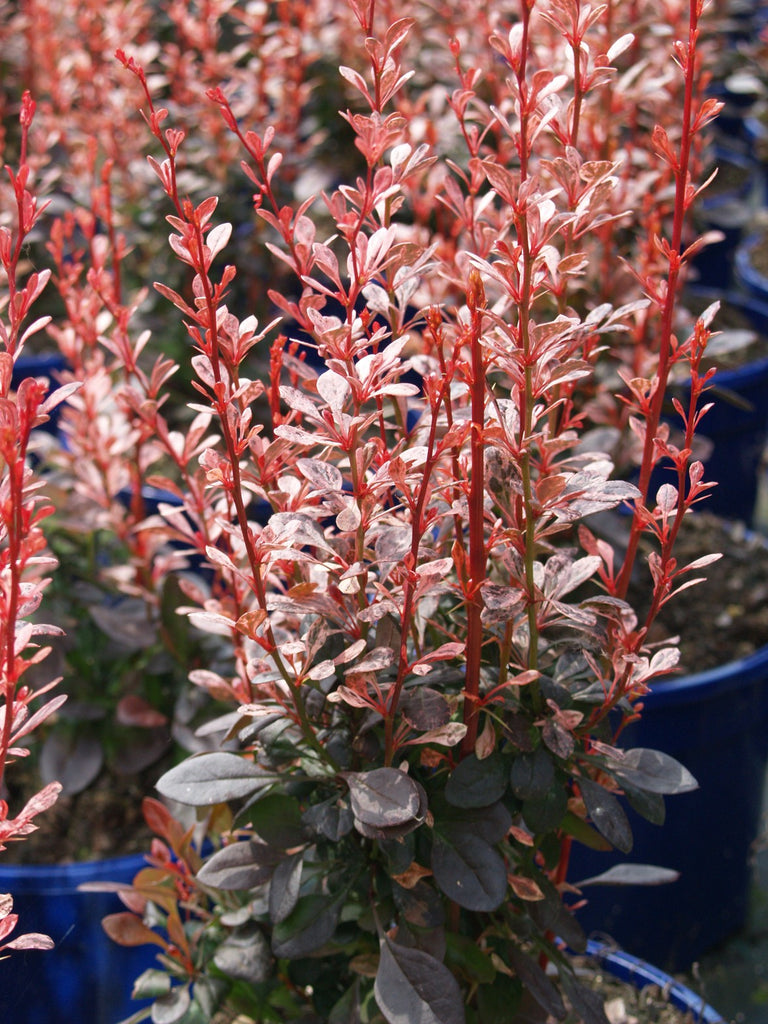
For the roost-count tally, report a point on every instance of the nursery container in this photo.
(716, 724)
(87, 978)
(640, 974)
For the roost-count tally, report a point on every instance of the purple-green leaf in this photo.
(384, 797)
(239, 866)
(425, 708)
(607, 814)
(412, 986)
(207, 779)
(285, 887)
(654, 771)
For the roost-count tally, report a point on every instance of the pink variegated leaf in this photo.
(218, 238)
(7, 924)
(49, 708)
(346, 695)
(40, 802)
(355, 79)
(175, 298)
(31, 940)
(34, 328)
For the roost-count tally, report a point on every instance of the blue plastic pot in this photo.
(87, 978)
(716, 724)
(640, 974)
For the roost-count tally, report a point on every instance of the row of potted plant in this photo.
(368, 556)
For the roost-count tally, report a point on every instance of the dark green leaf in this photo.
(347, 1010)
(242, 865)
(468, 870)
(583, 832)
(499, 1001)
(476, 783)
(245, 956)
(463, 954)
(633, 874)
(276, 819)
(537, 983)
(207, 779)
(384, 797)
(532, 775)
(284, 887)
(650, 806)
(411, 986)
(608, 815)
(546, 812)
(654, 771)
(307, 928)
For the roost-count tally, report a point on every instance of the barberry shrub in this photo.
(398, 492)
(25, 403)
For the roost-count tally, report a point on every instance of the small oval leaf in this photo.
(383, 797)
(245, 956)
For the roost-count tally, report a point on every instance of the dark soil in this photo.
(725, 617)
(625, 1004)
(102, 821)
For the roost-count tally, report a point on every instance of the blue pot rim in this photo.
(711, 683)
(73, 873)
(639, 973)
